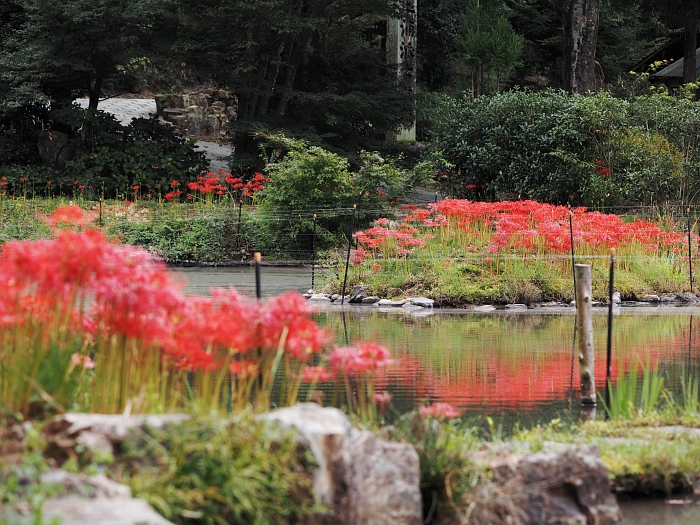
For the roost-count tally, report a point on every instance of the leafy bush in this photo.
(555, 147)
(113, 158)
(208, 237)
(211, 471)
(309, 179)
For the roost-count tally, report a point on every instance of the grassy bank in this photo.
(462, 252)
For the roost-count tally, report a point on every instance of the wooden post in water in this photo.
(584, 329)
(257, 257)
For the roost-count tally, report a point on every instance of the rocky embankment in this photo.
(359, 478)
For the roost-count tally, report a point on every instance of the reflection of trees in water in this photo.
(512, 361)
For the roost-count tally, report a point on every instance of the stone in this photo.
(98, 433)
(516, 306)
(651, 298)
(360, 479)
(667, 298)
(75, 510)
(335, 297)
(484, 308)
(322, 297)
(370, 300)
(423, 302)
(687, 297)
(564, 485)
(390, 302)
(169, 112)
(85, 486)
(359, 292)
(167, 101)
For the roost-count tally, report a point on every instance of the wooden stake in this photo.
(347, 261)
(584, 328)
(257, 257)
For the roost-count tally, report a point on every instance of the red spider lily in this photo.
(363, 357)
(142, 329)
(172, 194)
(288, 314)
(68, 214)
(316, 374)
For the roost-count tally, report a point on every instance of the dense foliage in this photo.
(310, 180)
(554, 147)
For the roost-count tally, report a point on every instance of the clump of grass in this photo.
(627, 399)
(211, 471)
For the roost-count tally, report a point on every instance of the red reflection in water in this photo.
(518, 382)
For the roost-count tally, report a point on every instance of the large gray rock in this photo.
(359, 292)
(423, 302)
(360, 479)
(393, 303)
(687, 297)
(76, 510)
(566, 485)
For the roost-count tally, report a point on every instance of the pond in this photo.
(513, 366)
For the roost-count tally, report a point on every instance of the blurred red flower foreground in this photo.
(79, 298)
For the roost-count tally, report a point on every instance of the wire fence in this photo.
(243, 229)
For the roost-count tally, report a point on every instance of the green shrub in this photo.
(554, 147)
(214, 471)
(309, 180)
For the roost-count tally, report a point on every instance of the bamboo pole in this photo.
(584, 328)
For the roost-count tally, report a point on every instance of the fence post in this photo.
(347, 261)
(258, 290)
(584, 328)
(690, 254)
(313, 254)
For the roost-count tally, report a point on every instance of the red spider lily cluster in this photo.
(247, 189)
(220, 184)
(136, 330)
(525, 227)
(601, 168)
(208, 183)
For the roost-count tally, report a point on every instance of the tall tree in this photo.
(487, 42)
(58, 48)
(580, 22)
(319, 63)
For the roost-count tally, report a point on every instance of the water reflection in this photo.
(511, 363)
(683, 510)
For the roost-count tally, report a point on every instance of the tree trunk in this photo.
(95, 91)
(269, 83)
(580, 21)
(297, 53)
(691, 37)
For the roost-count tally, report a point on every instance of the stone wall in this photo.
(201, 114)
